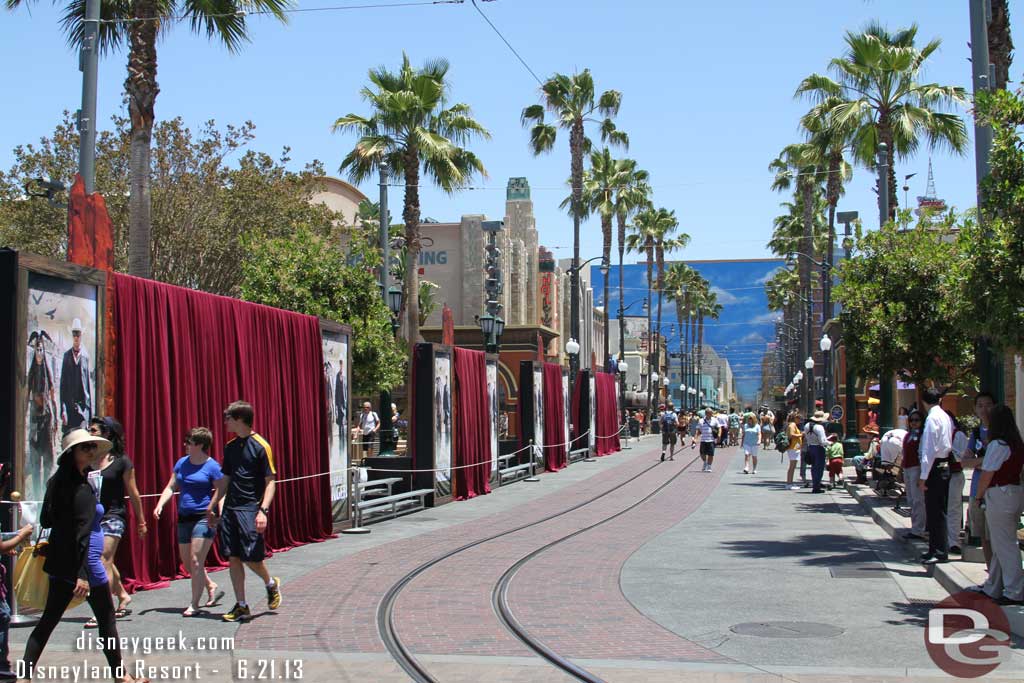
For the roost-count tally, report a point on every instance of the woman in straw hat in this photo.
(73, 556)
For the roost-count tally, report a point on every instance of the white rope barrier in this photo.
(524, 449)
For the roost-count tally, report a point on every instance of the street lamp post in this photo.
(887, 383)
(574, 304)
(851, 444)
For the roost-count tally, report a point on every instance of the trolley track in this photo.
(387, 626)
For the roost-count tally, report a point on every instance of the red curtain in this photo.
(554, 419)
(607, 415)
(472, 426)
(182, 357)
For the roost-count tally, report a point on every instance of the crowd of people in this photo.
(929, 451)
(85, 512)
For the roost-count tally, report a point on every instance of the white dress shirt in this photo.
(936, 439)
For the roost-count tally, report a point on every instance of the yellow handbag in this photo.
(31, 583)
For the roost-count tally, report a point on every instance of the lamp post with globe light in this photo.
(809, 364)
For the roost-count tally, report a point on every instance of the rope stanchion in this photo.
(354, 496)
(533, 474)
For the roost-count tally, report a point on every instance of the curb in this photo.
(948, 575)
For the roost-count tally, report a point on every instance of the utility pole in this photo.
(88, 64)
(851, 444)
(887, 383)
(990, 367)
(387, 436)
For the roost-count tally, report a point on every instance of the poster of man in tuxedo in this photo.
(565, 404)
(336, 380)
(593, 412)
(443, 419)
(61, 379)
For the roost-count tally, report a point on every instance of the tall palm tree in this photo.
(654, 229)
(681, 282)
(411, 128)
(641, 240)
(877, 94)
(1000, 44)
(139, 23)
(573, 102)
(630, 196)
(707, 306)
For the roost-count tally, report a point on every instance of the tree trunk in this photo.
(650, 309)
(805, 268)
(411, 216)
(606, 230)
(700, 352)
(141, 88)
(885, 135)
(661, 279)
(576, 176)
(1000, 44)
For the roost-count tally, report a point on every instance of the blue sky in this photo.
(707, 92)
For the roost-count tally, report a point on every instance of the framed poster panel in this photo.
(492, 397)
(334, 341)
(58, 361)
(538, 412)
(442, 419)
(531, 407)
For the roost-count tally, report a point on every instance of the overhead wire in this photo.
(505, 40)
(290, 10)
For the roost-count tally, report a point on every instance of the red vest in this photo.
(1009, 473)
(954, 464)
(911, 446)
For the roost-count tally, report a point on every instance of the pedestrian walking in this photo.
(796, 440)
(984, 403)
(669, 431)
(694, 421)
(118, 475)
(751, 437)
(708, 430)
(816, 440)
(369, 425)
(834, 455)
(72, 512)
(241, 507)
(912, 475)
(723, 429)
(195, 475)
(767, 432)
(999, 487)
(936, 444)
(734, 428)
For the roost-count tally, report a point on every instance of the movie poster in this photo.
(443, 422)
(492, 396)
(538, 412)
(336, 380)
(593, 412)
(61, 379)
(565, 403)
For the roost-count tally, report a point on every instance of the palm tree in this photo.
(877, 94)
(653, 233)
(681, 282)
(412, 127)
(138, 23)
(641, 240)
(1000, 44)
(707, 305)
(632, 194)
(573, 102)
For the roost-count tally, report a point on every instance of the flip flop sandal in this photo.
(122, 613)
(217, 596)
(92, 623)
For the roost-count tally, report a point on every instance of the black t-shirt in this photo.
(112, 490)
(248, 461)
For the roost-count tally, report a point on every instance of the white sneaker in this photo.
(709, 468)
(746, 471)
(753, 471)
(794, 487)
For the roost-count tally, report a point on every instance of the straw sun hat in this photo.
(80, 436)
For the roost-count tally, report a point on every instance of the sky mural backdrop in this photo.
(742, 331)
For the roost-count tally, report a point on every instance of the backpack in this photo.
(782, 442)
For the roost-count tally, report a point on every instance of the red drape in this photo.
(578, 428)
(606, 416)
(182, 357)
(554, 419)
(472, 425)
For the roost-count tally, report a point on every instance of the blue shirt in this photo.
(195, 482)
(750, 436)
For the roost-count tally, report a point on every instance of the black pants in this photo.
(57, 601)
(936, 500)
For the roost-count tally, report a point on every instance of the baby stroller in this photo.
(888, 474)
